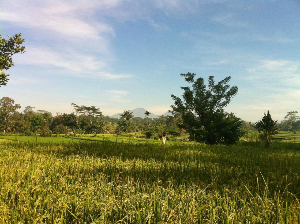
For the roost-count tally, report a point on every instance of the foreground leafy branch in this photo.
(7, 49)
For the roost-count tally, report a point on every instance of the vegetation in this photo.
(80, 176)
(202, 111)
(7, 49)
(108, 182)
(291, 122)
(125, 123)
(8, 111)
(85, 121)
(268, 127)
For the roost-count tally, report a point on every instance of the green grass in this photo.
(86, 137)
(109, 182)
(38, 139)
(289, 137)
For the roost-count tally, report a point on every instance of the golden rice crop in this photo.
(107, 182)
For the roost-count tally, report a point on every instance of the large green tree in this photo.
(202, 113)
(90, 119)
(8, 48)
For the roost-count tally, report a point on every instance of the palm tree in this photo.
(125, 124)
(147, 113)
(127, 115)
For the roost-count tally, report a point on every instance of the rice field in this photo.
(125, 182)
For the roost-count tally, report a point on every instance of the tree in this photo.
(45, 127)
(147, 113)
(7, 49)
(8, 109)
(62, 122)
(127, 115)
(290, 121)
(125, 124)
(36, 122)
(202, 113)
(28, 109)
(21, 125)
(91, 111)
(268, 127)
(90, 118)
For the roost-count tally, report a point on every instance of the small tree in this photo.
(268, 127)
(7, 49)
(147, 113)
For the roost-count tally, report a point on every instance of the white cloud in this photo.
(177, 6)
(277, 38)
(229, 20)
(23, 81)
(65, 33)
(68, 20)
(276, 88)
(279, 66)
(118, 92)
(283, 71)
(168, 5)
(109, 76)
(72, 61)
(117, 96)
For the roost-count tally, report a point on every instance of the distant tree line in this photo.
(84, 120)
(90, 120)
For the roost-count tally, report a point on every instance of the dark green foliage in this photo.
(127, 115)
(62, 122)
(268, 127)
(60, 129)
(202, 111)
(125, 123)
(90, 119)
(7, 49)
(148, 134)
(8, 110)
(91, 111)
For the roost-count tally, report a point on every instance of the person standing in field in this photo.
(164, 138)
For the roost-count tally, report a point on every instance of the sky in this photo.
(120, 55)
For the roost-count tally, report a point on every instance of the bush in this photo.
(148, 134)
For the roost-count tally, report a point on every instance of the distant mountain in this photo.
(167, 114)
(138, 112)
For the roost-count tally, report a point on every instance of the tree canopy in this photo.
(202, 111)
(8, 48)
(8, 109)
(268, 127)
(88, 111)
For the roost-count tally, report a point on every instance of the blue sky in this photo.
(121, 55)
